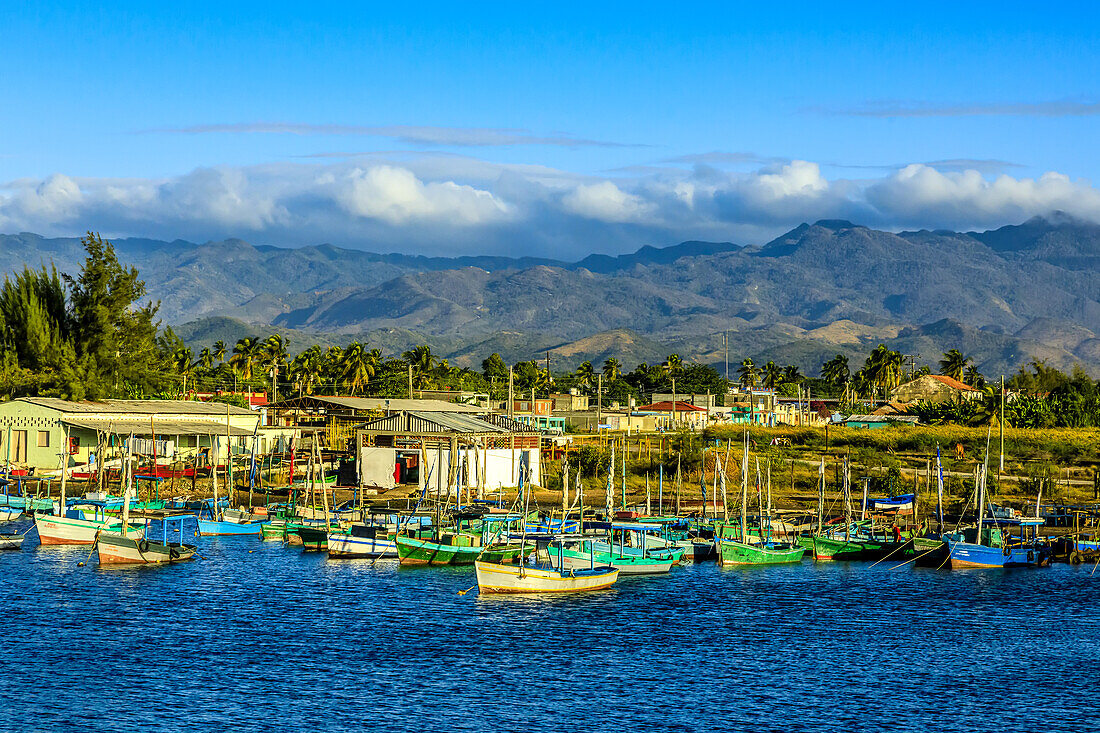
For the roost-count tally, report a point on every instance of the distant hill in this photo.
(1004, 296)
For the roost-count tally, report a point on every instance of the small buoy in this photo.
(80, 564)
(251, 551)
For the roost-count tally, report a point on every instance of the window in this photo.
(43, 438)
(19, 446)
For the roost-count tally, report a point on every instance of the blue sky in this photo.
(568, 128)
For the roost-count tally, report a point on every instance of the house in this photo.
(873, 422)
(461, 397)
(571, 402)
(934, 388)
(447, 453)
(339, 416)
(676, 414)
(33, 430)
(707, 401)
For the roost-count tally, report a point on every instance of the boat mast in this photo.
(981, 485)
(847, 503)
(760, 502)
(939, 488)
(128, 478)
(745, 488)
(65, 469)
(214, 479)
(820, 495)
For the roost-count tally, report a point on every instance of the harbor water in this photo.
(257, 637)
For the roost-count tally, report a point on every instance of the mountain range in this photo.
(1004, 297)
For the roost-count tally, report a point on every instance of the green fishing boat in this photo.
(828, 548)
(453, 549)
(732, 552)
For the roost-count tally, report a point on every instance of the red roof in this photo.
(666, 406)
(953, 383)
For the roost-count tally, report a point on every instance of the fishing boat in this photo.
(11, 541)
(456, 548)
(361, 540)
(579, 554)
(215, 522)
(732, 552)
(499, 578)
(75, 528)
(127, 547)
(986, 545)
(8, 514)
(991, 547)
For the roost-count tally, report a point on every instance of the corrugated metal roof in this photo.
(441, 422)
(376, 403)
(163, 427)
(882, 418)
(140, 407)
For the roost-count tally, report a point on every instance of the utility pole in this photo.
(599, 401)
(726, 344)
(1002, 423)
(674, 403)
(410, 381)
(511, 405)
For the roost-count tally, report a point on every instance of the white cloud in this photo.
(449, 204)
(921, 195)
(397, 197)
(606, 202)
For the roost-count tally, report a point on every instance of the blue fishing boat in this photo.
(224, 523)
(992, 547)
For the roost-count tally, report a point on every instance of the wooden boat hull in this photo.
(11, 541)
(425, 552)
(498, 578)
(696, 550)
(826, 548)
(970, 555)
(341, 544)
(7, 514)
(625, 564)
(114, 549)
(214, 528)
(731, 552)
(53, 530)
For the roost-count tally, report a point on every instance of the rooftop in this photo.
(666, 406)
(367, 404)
(139, 407)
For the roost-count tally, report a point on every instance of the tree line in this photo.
(94, 335)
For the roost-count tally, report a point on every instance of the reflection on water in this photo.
(257, 636)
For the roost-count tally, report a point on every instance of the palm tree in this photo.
(835, 371)
(953, 364)
(219, 351)
(305, 369)
(182, 361)
(422, 360)
(246, 355)
(773, 375)
(747, 374)
(206, 358)
(586, 375)
(791, 375)
(861, 383)
(674, 366)
(359, 366)
(973, 377)
(329, 365)
(612, 369)
(883, 367)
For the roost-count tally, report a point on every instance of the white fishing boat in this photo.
(71, 529)
(7, 514)
(130, 547)
(361, 540)
(496, 578)
(11, 541)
